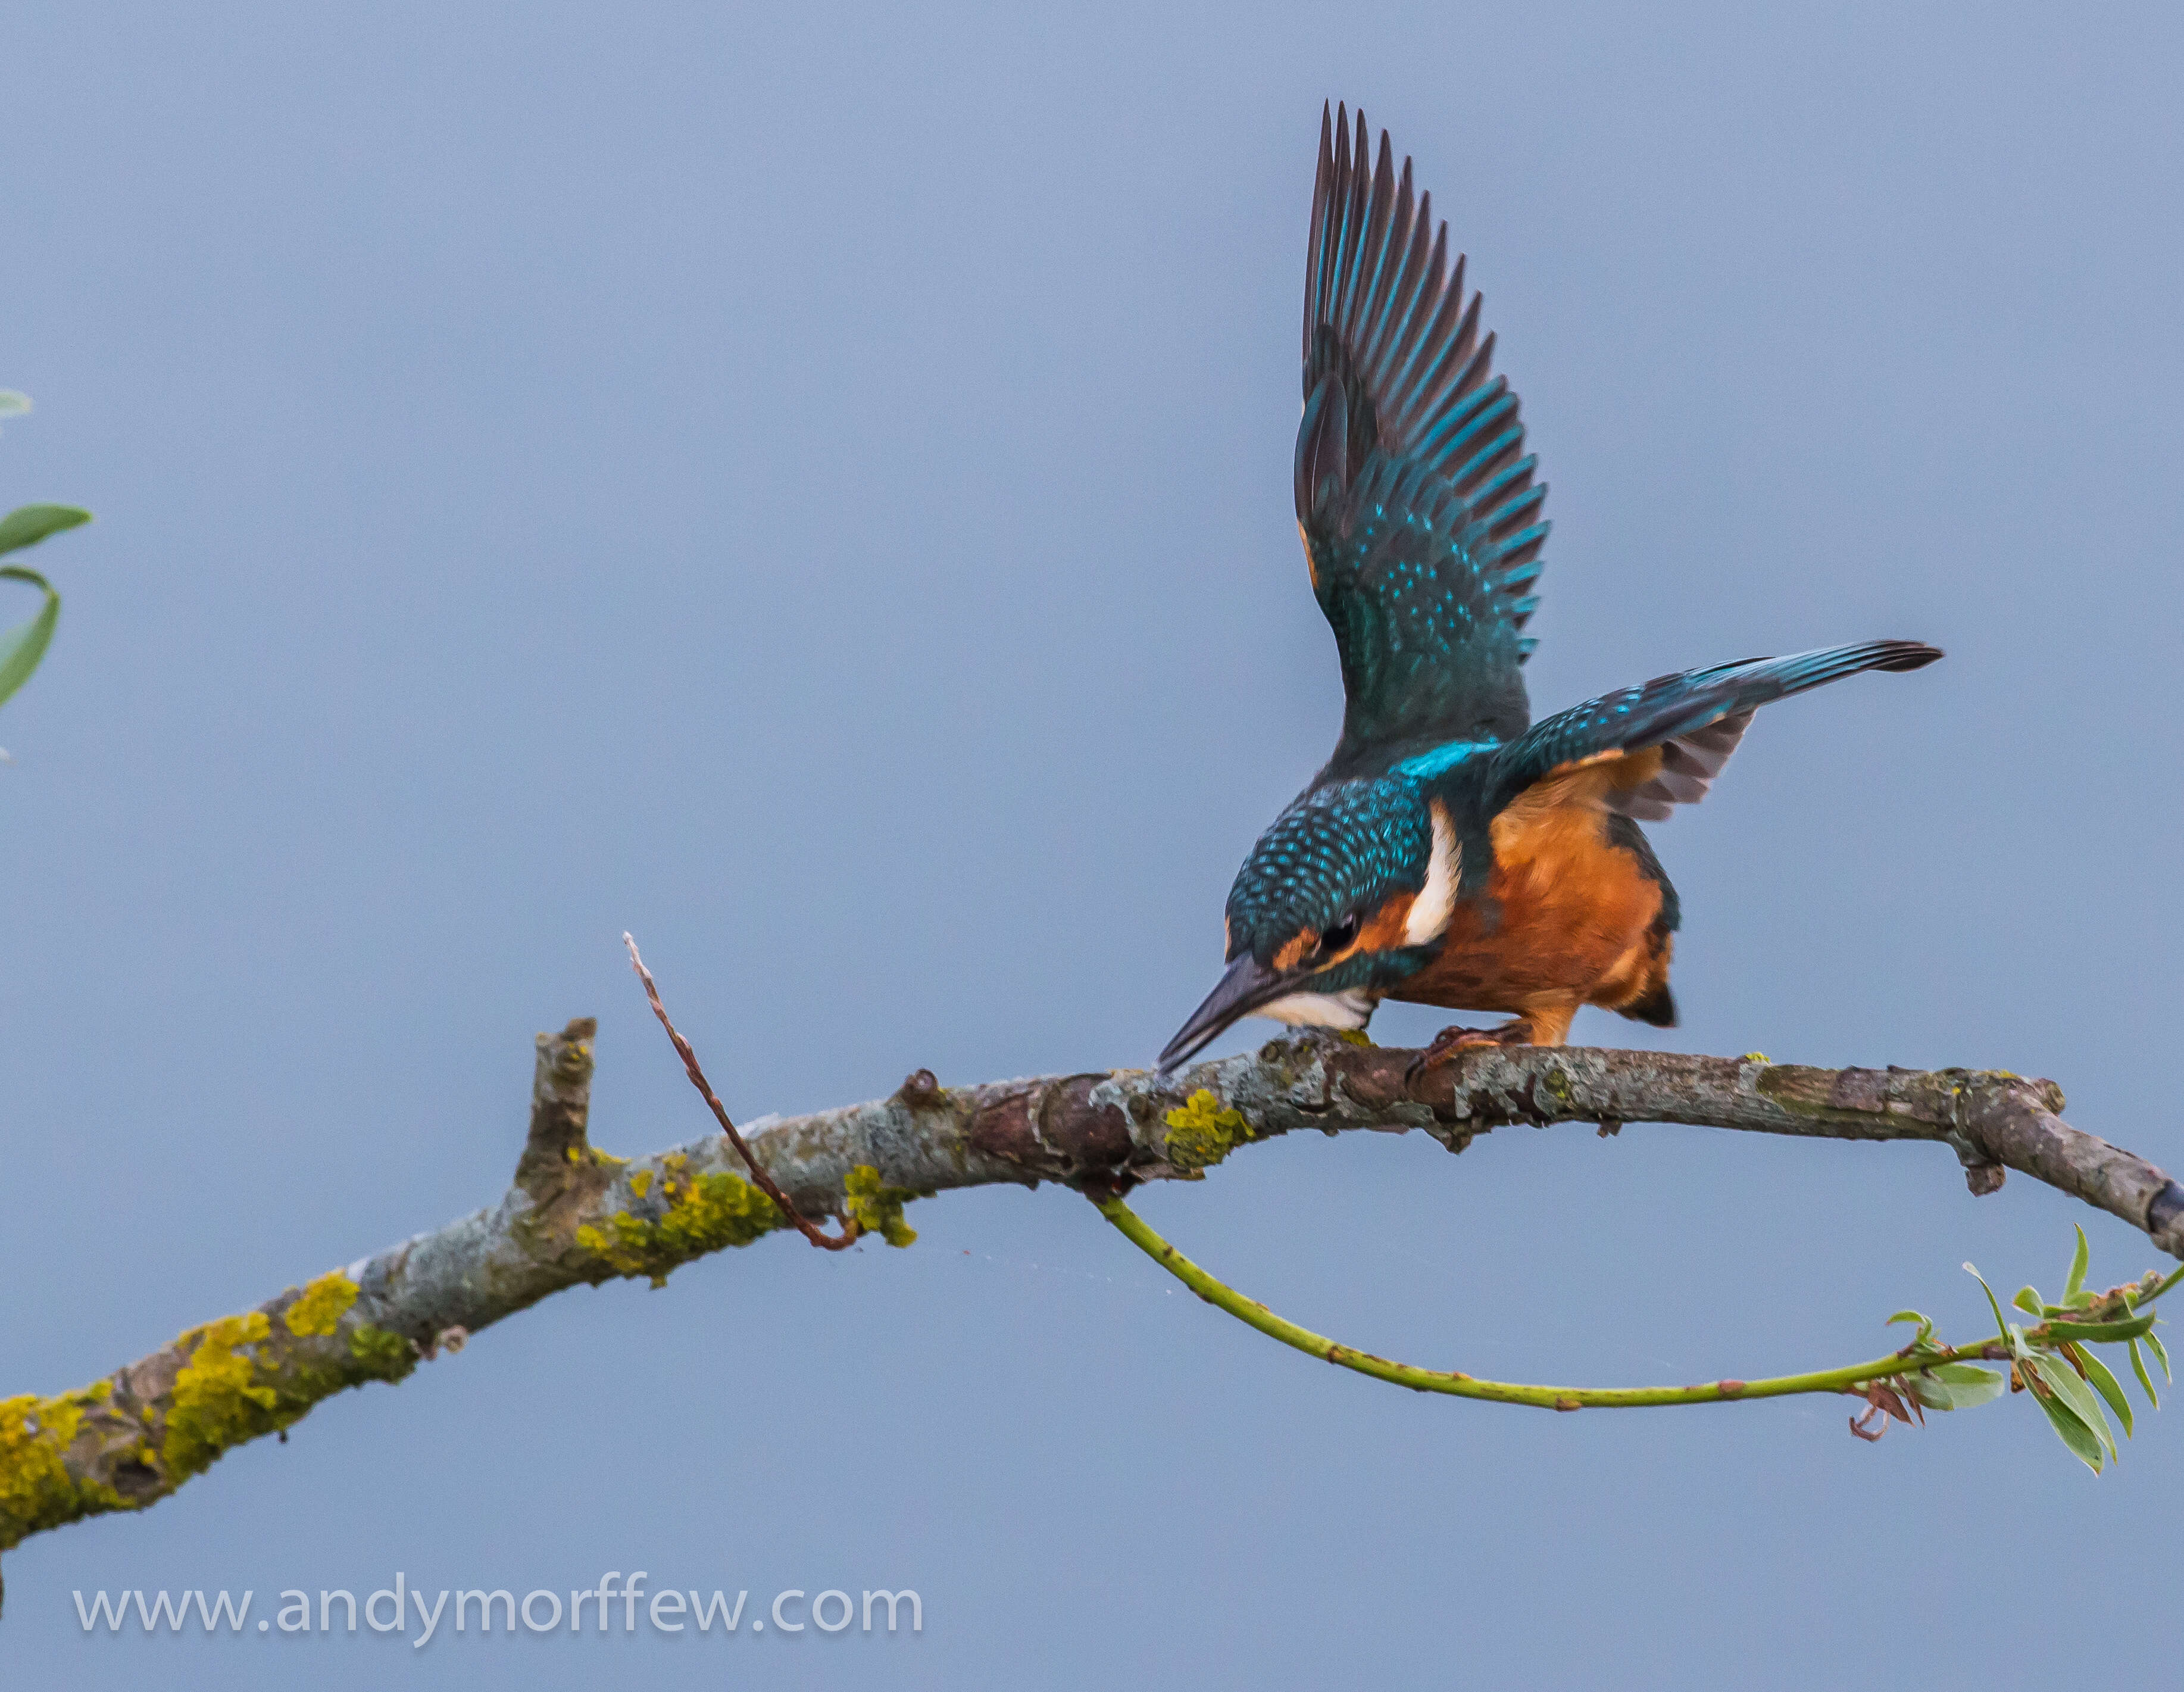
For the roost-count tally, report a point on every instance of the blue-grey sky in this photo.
(812, 486)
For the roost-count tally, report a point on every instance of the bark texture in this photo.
(575, 1215)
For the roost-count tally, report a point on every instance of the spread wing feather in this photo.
(1420, 515)
(1696, 718)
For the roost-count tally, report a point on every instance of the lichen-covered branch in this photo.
(575, 1215)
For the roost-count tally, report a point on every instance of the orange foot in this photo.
(1517, 1031)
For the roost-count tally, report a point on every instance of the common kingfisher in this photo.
(1453, 852)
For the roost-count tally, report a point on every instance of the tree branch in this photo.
(576, 1216)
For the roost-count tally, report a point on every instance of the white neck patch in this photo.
(1350, 1009)
(1430, 911)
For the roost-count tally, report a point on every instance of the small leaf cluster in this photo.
(2054, 1360)
(22, 647)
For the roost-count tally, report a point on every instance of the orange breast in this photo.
(1565, 911)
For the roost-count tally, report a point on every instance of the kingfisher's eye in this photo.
(1338, 935)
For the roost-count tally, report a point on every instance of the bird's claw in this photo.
(1449, 1041)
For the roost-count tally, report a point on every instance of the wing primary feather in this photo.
(1428, 302)
(1400, 247)
(1321, 250)
(1510, 481)
(1513, 498)
(1420, 508)
(1417, 285)
(1447, 386)
(1494, 452)
(1455, 431)
(1416, 241)
(1522, 550)
(1446, 341)
(1350, 238)
(1372, 248)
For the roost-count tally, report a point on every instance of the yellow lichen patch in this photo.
(876, 1208)
(1353, 1036)
(1201, 1131)
(240, 1376)
(640, 1181)
(218, 1400)
(322, 1305)
(384, 1356)
(707, 1215)
(37, 1491)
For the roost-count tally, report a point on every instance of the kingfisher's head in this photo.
(1346, 894)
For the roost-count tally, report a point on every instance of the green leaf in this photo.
(1925, 1334)
(28, 525)
(2030, 1301)
(2078, 1261)
(2076, 1395)
(13, 404)
(2106, 1384)
(2161, 1352)
(2145, 1380)
(21, 648)
(1956, 1386)
(2132, 1328)
(1993, 1304)
(2073, 1433)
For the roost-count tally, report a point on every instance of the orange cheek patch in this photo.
(1384, 932)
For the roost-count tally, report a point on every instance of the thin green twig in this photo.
(1913, 1358)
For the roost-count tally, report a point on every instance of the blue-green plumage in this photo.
(1330, 850)
(1452, 852)
(1419, 512)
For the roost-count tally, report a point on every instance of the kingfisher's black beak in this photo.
(1247, 984)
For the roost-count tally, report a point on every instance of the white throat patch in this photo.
(1350, 1009)
(1430, 911)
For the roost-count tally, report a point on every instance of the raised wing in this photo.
(1420, 516)
(1653, 747)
